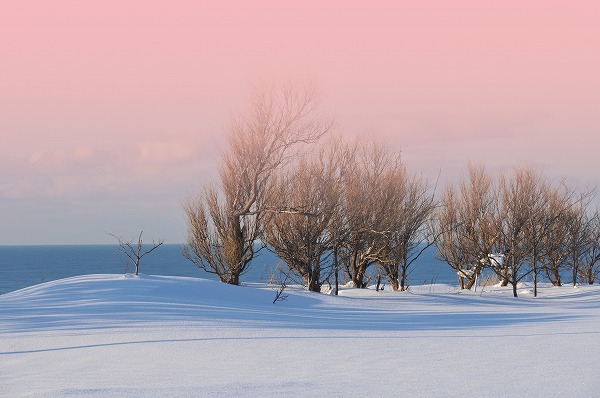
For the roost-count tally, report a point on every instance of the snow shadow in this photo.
(98, 302)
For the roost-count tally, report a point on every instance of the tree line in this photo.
(520, 226)
(331, 208)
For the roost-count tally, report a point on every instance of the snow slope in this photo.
(156, 336)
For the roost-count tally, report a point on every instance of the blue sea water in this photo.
(22, 266)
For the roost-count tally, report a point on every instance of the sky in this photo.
(112, 113)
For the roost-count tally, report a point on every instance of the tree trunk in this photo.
(589, 276)
(510, 273)
(394, 283)
(358, 278)
(337, 269)
(553, 275)
(403, 279)
(505, 279)
(471, 281)
(358, 275)
(314, 285)
(513, 279)
(233, 278)
(535, 273)
(403, 272)
(392, 277)
(234, 273)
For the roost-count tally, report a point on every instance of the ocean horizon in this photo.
(27, 265)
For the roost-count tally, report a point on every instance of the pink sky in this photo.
(111, 113)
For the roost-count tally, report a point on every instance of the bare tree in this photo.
(590, 267)
(554, 253)
(451, 246)
(216, 243)
(135, 251)
(408, 234)
(576, 238)
(468, 225)
(224, 223)
(281, 285)
(540, 220)
(307, 198)
(368, 199)
(343, 155)
(516, 208)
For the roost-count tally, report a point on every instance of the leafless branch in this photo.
(134, 251)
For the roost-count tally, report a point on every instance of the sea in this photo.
(23, 266)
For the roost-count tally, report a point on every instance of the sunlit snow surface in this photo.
(157, 336)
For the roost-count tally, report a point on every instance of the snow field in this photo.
(151, 336)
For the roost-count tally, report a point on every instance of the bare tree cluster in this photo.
(355, 208)
(518, 225)
(347, 207)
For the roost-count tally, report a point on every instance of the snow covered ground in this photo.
(156, 336)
